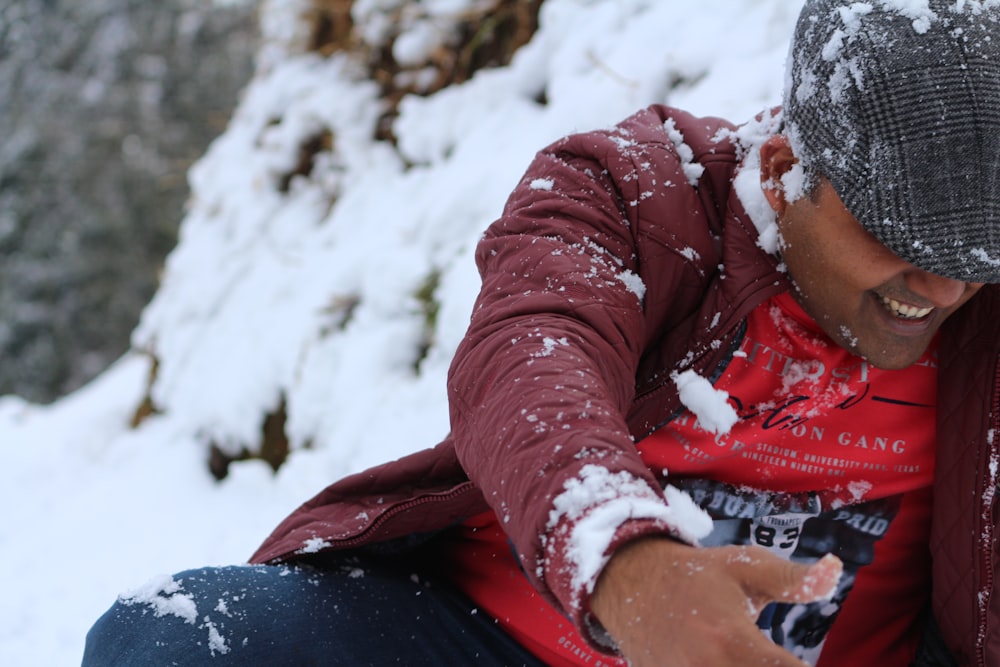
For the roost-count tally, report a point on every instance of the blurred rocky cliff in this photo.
(104, 105)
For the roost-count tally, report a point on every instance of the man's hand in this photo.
(668, 604)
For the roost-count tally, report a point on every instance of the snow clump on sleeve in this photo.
(549, 346)
(595, 504)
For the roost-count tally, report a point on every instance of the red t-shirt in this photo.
(829, 455)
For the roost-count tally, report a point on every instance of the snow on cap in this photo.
(897, 103)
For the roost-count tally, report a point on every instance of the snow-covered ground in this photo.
(309, 296)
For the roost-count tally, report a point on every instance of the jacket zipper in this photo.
(988, 514)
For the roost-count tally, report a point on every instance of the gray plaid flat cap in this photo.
(897, 103)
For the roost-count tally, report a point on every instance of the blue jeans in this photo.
(355, 613)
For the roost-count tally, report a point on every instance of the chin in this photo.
(889, 361)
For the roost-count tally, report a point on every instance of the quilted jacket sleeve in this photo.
(540, 386)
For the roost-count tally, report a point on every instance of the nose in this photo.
(939, 290)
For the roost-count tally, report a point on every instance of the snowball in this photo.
(710, 405)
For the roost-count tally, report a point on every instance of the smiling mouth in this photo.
(904, 311)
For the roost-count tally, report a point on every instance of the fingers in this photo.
(794, 583)
(705, 639)
(820, 581)
(716, 641)
(770, 578)
(665, 601)
(750, 648)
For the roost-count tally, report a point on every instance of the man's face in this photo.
(863, 296)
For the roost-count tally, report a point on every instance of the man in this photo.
(712, 379)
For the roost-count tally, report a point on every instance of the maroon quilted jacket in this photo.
(622, 257)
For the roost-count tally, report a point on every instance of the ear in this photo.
(776, 160)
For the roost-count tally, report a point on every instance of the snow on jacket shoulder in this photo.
(602, 277)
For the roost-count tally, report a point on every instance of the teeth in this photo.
(903, 310)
